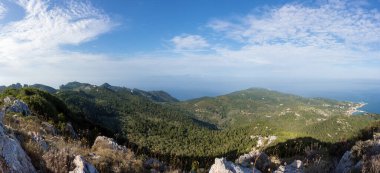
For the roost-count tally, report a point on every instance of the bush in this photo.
(59, 160)
(371, 164)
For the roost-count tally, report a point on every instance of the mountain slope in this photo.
(279, 113)
(244, 106)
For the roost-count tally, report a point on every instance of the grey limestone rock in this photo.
(221, 165)
(13, 158)
(82, 166)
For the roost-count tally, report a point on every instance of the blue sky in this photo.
(195, 47)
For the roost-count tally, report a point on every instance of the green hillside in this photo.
(160, 129)
(243, 107)
(282, 114)
(199, 129)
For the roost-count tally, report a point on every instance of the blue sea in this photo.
(367, 91)
(372, 98)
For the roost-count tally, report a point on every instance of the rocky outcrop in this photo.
(364, 156)
(81, 166)
(108, 143)
(154, 165)
(221, 165)
(345, 164)
(36, 137)
(48, 128)
(12, 157)
(69, 129)
(254, 158)
(295, 167)
(17, 106)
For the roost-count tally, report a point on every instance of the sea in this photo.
(371, 98)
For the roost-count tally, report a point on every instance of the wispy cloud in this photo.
(333, 24)
(46, 27)
(3, 10)
(189, 42)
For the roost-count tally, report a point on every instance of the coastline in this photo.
(355, 108)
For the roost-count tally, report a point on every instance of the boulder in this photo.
(154, 164)
(345, 164)
(221, 165)
(12, 156)
(69, 129)
(295, 167)
(18, 106)
(49, 128)
(108, 143)
(36, 137)
(7, 101)
(81, 166)
(255, 158)
(358, 167)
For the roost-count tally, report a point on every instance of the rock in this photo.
(48, 128)
(7, 101)
(36, 137)
(358, 167)
(154, 164)
(93, 156)
(70, 130)
(221, 165)
(255, 158)
(295, 167)
(376, 138)
(105, 142)
(12, 157)
(345, 164)
(263, 141)
(81, 166)
(280, 169)
(16, 118)
(18, 106)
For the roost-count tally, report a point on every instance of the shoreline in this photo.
(354, 109)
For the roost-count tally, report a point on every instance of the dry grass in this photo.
(59, 160)
(116, 161)
(62, 150)
(371, 164)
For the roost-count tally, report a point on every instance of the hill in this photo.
(279, 113)
(46, 88)
(244, 106)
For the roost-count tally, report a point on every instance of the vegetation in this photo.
(154, 124)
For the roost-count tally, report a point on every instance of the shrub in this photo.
(371, 164)
(59, 160)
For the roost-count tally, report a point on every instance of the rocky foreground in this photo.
(364, 156)
(28, 145)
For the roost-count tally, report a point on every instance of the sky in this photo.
(192, 48)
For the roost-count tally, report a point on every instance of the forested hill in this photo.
(243, 107)
(155, 96)
(156, 124)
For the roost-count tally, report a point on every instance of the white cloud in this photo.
(332, 24)
(335, 39)
(189, 42)
(45, 28)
